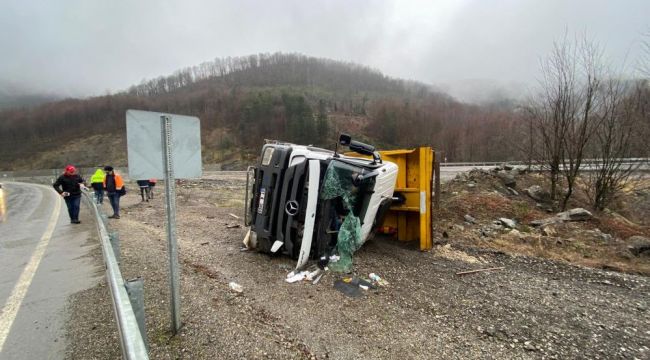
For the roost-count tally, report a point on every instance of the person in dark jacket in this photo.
(114, 186)
(144, 189)
(69, 186)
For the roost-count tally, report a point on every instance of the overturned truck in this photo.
(310, 203)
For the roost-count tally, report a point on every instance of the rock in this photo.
(490, 331)
(544, 222)
(529, 346)
(507, 179)
(512, 191)
(509, 223)
(538, 194)
(469, 219)
(638, 245)
(603, 236)
(548, 230)
(458, 227)
(515, 232)
(507, 167)
(577, 214)
(471, 185)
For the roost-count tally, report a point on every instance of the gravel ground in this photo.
(533, 308)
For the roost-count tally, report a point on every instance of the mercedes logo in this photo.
(291, 208)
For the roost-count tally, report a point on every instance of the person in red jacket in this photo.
(69, 186)
(114, 186)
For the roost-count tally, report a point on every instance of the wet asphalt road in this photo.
(43, 260)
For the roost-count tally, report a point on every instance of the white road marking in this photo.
(12, 306)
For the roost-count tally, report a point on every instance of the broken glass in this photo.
(339, 183)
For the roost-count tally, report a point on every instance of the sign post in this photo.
(170, 207)
(179, 148)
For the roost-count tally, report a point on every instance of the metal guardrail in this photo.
(133, 343)
(526, 163)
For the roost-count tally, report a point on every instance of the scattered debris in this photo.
(479, 270)
(247, 239)
(313, 276)
(347, 288)
(205, 243)
(233, 226)
(235, 287)
(378, 280)
(293, 277)
(235, 216)
(317, 279)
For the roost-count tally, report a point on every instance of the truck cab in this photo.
(310, 203)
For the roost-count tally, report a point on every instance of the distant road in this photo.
(449, 171)
(43, 260)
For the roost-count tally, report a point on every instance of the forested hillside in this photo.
(243, 100)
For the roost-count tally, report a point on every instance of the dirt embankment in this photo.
(533, 308)
(616, 239)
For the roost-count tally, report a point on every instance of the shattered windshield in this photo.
(341, 184)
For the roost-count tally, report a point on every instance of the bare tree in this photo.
(614, 141)
(563, 112)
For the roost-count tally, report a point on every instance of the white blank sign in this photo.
(144, 143)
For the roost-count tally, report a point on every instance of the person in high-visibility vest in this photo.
(114, 186)
(97, 183)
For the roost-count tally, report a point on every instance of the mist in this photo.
(475, 50)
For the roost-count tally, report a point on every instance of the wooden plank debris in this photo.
(479, 270)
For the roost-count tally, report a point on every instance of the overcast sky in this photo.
(84, 47)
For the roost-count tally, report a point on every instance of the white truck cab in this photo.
(307, 202)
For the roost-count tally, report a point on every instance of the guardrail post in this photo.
(135, 289)
(114, 237)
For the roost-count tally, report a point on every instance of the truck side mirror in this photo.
(361, 148)
(345, 139)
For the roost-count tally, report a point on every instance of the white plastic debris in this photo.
(377, 279)
(364, 287)
(235, 287)
(293, 277)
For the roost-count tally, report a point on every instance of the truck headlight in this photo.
(267, 156)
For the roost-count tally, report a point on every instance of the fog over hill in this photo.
(243, 100)
(15, 96)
